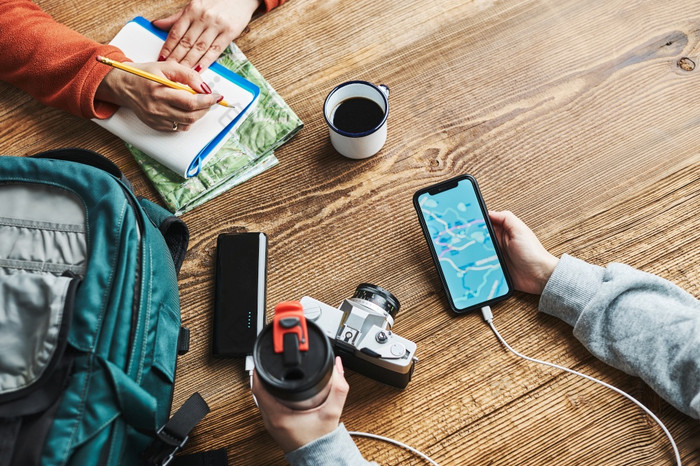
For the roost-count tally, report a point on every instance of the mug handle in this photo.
(384, 88)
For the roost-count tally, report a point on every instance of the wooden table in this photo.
(581, 117)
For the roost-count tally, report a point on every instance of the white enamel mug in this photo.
(357, 145)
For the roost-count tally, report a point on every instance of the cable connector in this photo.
(249, 367)
(486, 312)
(249, 364)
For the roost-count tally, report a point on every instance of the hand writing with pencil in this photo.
(73, 85)
(159, 106)
(201, 31)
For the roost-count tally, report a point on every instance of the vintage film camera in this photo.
(360, 332)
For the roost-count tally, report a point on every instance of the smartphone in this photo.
(239, 307)
(456, 226)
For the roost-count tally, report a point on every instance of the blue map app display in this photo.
(463, 246)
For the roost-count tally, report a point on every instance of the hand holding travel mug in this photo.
(294, 428)
(356, 113)
(294, 358)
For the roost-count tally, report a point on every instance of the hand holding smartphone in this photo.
(456, 225)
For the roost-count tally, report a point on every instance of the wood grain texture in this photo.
(577, 116)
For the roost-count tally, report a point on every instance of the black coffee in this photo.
(357, 115)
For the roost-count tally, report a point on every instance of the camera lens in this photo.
(379, 296)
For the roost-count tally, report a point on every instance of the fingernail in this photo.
(161, 58)
(206, 88)
(198, 68)
(219, 99)
(339, 365)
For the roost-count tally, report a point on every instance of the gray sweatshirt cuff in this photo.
(336, 448)
(571, 286)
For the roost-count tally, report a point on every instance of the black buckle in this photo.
(174, 434)
(163, 449)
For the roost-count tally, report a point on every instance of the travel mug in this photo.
(294, 358)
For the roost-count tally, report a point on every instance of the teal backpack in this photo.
(89, 316)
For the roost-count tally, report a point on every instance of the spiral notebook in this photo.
(182, 152)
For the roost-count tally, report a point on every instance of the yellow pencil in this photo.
(152, 77)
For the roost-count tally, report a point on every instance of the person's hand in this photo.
(293, 428)
(529, 263)
(160, 107)
(201, 31)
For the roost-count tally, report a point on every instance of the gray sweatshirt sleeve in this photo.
(336, 448)
(637, 322)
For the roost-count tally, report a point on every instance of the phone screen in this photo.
(453, 217)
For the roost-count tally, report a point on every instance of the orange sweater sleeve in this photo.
(270, 4)
(50, 61)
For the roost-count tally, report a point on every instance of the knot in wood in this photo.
(686, 64)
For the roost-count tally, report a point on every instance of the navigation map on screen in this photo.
(462, 243)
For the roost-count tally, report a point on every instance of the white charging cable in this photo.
(488, 317)
(395, 442)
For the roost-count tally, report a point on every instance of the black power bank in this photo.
(239, 309)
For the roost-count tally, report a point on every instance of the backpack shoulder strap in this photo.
(173, 229)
